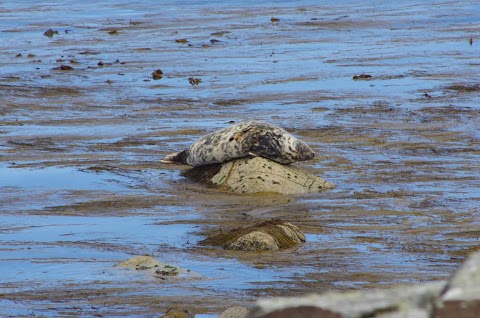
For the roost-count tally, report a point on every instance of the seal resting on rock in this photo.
(249, 138)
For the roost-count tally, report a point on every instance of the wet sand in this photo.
(82, 188)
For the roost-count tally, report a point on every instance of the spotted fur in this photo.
(250, 138)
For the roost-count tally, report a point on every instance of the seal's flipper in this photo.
(178, 157)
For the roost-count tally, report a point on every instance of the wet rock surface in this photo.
(270, 235)
(259, 175)
(81, 186)
(178, 313)
(140, 263)
(157, 269)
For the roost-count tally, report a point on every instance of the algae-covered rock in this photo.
(269, 235)
(178, 313)
(259, 175)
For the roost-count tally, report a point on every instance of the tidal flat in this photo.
(386, 94)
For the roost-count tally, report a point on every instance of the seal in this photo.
(249, 138)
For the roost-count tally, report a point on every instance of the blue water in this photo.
(406, 202)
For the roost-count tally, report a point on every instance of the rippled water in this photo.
(81, 186)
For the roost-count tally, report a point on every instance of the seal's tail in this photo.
(170, 158)
(178, 157)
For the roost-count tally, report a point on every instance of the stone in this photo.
(178, 313)
(142, 262)
(258, 175)
(270, 235)
(234, 312)
(461, 298)
(157, 269)
(401, 302)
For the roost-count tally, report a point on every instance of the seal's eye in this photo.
(231, 139)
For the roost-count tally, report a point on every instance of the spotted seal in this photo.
(249, 138)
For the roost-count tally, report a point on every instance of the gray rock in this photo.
(259, 175)
(462, 295)
(411, 301)
(459, 298)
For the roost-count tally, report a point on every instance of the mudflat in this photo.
(387, 95)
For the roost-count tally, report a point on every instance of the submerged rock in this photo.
(258, 175)
(269, 235)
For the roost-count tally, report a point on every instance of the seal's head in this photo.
(278, 145)
(303, 151)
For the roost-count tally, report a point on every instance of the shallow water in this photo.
(82, 188)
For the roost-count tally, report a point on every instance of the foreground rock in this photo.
(157, 269)
(258, 175)
(462, 295)
(459, 298)
(415, 301)
(269, 235)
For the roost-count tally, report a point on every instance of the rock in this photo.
(411, 302)
(142, 262)
(234, 312)
(269, 235)
(258, 175)
(178, 313)
(461, 298)
(49, 33)
(157, 269)
(253, 241)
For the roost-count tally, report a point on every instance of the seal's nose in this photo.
(313, 154)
